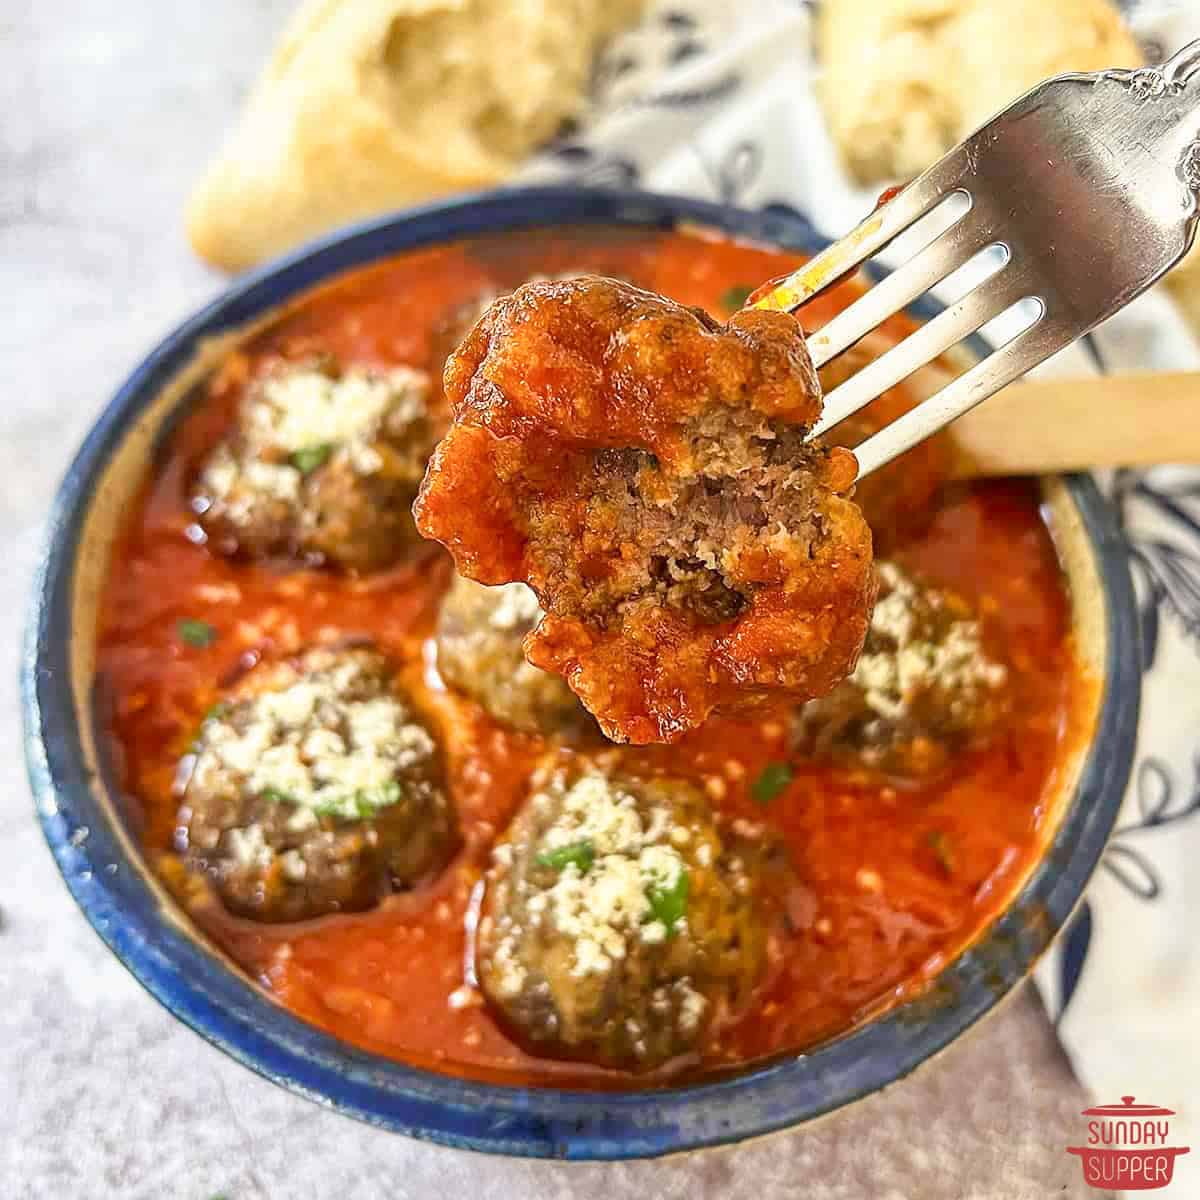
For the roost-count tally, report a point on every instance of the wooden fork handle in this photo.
(1048, 425)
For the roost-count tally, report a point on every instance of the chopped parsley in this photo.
(196, 633)
(943, 849)
(669, 904)
(774, 779)
(363, 803)
(736, 296)
(309, 458)
(578, 854)
(351, 806)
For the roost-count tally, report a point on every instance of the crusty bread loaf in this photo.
(904, 80)
(371, 104)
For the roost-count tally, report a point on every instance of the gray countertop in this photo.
(107, 113)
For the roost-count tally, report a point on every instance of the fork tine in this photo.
(870, 236)
(1023, 351)
(984, 302)
(941, 257)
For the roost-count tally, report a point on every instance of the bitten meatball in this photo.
(315, 788)
(618, 926)
(479, 635)
(322, 466)
(644, 469)
(924, 689)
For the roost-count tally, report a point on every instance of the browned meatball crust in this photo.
(315, 788)
(645, 470)
(479, 639)
(321, 467)
(619, 926)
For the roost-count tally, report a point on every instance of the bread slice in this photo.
(368, 105)
(904, 80)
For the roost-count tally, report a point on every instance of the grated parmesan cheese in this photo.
(249, 846)
(585, 941)
(899, 665)
(605, 908)
(317, 744)
(301, 409)
(597, 812)
(692, 1007)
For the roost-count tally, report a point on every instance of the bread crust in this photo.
(368, 105)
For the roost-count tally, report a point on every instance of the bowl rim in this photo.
(196, 985)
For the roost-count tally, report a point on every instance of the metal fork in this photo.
(1075, 200)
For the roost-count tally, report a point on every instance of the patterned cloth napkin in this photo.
(712, 99)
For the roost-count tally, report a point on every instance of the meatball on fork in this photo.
(645, 470)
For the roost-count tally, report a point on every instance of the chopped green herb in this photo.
(351, 805)
(309, 458)
(579, 854)
(736, 296)
(357, 805)
(943, 849)
(669, 904)
(774, 779)
(196, 633)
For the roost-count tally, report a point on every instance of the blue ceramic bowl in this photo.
(76, 798)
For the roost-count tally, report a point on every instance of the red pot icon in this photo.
(1127, 1146)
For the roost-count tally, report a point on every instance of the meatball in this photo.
(617, 926)
(322, 466)
(479, 635)
(315, 788)
(645, 470)
(924, 689)
(450, 331)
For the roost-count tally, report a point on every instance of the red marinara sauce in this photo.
(880, 907)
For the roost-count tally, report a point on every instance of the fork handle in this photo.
(1183, 64)
(1049, 425)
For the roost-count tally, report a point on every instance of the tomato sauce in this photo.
(895, 880)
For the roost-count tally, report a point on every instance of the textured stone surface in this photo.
(107, 112)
